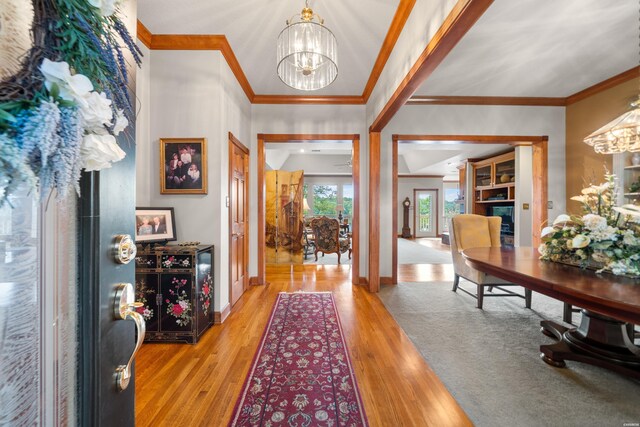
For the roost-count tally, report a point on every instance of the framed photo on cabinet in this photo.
(183, 166)
(155, 225)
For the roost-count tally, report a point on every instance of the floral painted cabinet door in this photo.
(175, 286)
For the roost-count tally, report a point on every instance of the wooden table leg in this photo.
(599, 340)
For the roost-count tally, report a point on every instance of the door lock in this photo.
(124, 249)
(124, 307)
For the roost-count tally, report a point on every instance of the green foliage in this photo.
(347, 202)
(325, 199)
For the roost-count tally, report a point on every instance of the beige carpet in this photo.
(489, 360)
(410, 252)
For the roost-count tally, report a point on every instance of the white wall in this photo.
(405, 189)
(524, 197)
(314, 119)
(194, 94)
(472, 120)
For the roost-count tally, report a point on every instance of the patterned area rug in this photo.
(301, 374)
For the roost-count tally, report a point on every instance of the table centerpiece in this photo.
(605, 237)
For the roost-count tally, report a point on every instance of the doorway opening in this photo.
(424, 163)
(308, 202)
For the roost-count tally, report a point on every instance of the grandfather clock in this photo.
(406, 230)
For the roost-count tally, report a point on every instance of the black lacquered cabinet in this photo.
(175, 286)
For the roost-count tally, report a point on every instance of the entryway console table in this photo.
(610, 307)
(175, 286)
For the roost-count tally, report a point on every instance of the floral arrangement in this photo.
(606, 236)
(181, 308)
(62, 110)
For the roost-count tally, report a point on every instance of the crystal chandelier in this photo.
(307, 52)
(619, 135)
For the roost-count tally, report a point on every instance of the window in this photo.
(325, 199)
(347, 199)
(451, 206)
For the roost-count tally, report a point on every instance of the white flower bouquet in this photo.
(606, 236)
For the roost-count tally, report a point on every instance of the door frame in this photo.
(415, 204)
(233, 141)
(539, 145)
(355, 173)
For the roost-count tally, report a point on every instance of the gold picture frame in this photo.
(183, 166)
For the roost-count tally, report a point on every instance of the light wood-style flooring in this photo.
(197, 385)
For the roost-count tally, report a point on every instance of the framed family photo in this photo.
(155, 225)
(183, 166)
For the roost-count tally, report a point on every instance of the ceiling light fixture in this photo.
(307, 52)
(620, 135)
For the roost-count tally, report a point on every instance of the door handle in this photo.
(124, 308)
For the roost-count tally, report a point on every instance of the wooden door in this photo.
(238, 218)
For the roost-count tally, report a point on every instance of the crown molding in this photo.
(458, 22)
(310, 99)
(633, 73)
(204, 42)
(144, 35)
(486, 100)
(397, 24)
(220, 42)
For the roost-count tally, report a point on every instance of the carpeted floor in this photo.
(489, 360)
(410, 252)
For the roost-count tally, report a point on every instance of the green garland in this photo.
(62, 111)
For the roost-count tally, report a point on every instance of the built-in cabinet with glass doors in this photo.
(494, 184)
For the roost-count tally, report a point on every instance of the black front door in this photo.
(106, 209)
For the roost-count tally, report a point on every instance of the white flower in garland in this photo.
(120, 124)
(562, 219)
(72, 87)
(96, 112)
(594, 222)
(99, 152)
(578, 242)
(99, 149)
(107, 7)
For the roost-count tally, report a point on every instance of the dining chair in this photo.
(327, 237)
(473, 231)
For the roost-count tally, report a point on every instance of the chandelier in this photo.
(619, 135)
(307, 52)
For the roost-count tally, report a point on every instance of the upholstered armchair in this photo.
(473, 231)
(327, 237)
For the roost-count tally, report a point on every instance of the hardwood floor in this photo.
(197, 385)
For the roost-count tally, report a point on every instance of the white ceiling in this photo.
(252, 28)
(415, 157)
(442, 157)
(332, 152)
(548, 48)
(311, 147)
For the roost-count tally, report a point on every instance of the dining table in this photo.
(610, 306)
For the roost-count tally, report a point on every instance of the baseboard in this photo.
(363, 281)
(221, 316)
(253, 281)
(386, 281)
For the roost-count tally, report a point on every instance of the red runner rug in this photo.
(301, 374)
